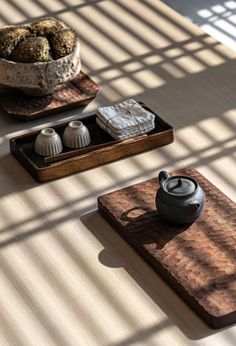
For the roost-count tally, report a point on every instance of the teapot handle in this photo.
(162, 176)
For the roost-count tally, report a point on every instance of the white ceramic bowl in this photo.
(76, 135)
(48, 143)
(40, 78)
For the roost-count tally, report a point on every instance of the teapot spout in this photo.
(162, 176)
(194, 206)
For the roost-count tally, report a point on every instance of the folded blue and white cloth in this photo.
(125, 119)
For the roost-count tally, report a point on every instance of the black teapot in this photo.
(180, 199)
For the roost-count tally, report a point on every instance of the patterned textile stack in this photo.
(126, 119)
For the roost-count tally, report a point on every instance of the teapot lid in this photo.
(180, 185)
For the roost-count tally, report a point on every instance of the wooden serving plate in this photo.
(78, 92)
(103, 149)
(198, 261)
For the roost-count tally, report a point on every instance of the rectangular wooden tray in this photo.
(78, 92)
(103, 149)
(198, 261)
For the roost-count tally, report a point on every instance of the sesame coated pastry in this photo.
(44, 40)
(33, 49)
(10, 36)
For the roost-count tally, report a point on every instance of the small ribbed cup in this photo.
(48, 143)
(76, 135)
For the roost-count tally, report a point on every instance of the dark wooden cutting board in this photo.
(198, 261)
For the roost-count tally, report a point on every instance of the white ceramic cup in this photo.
(48, 143)
(76, 135)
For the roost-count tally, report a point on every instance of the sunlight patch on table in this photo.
(173, 52)
(153, 59)
(149, 79)
(173, 70)
(190, 64)
(209, 57)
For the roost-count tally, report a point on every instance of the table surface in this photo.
(66, 278)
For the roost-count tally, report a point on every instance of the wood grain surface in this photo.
(102, 149)
(78, 92)
(66, 278)
(197, 260)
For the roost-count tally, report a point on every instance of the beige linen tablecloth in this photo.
(66, 278)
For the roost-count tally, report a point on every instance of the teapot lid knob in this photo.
(180, 186)
(162, 176)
